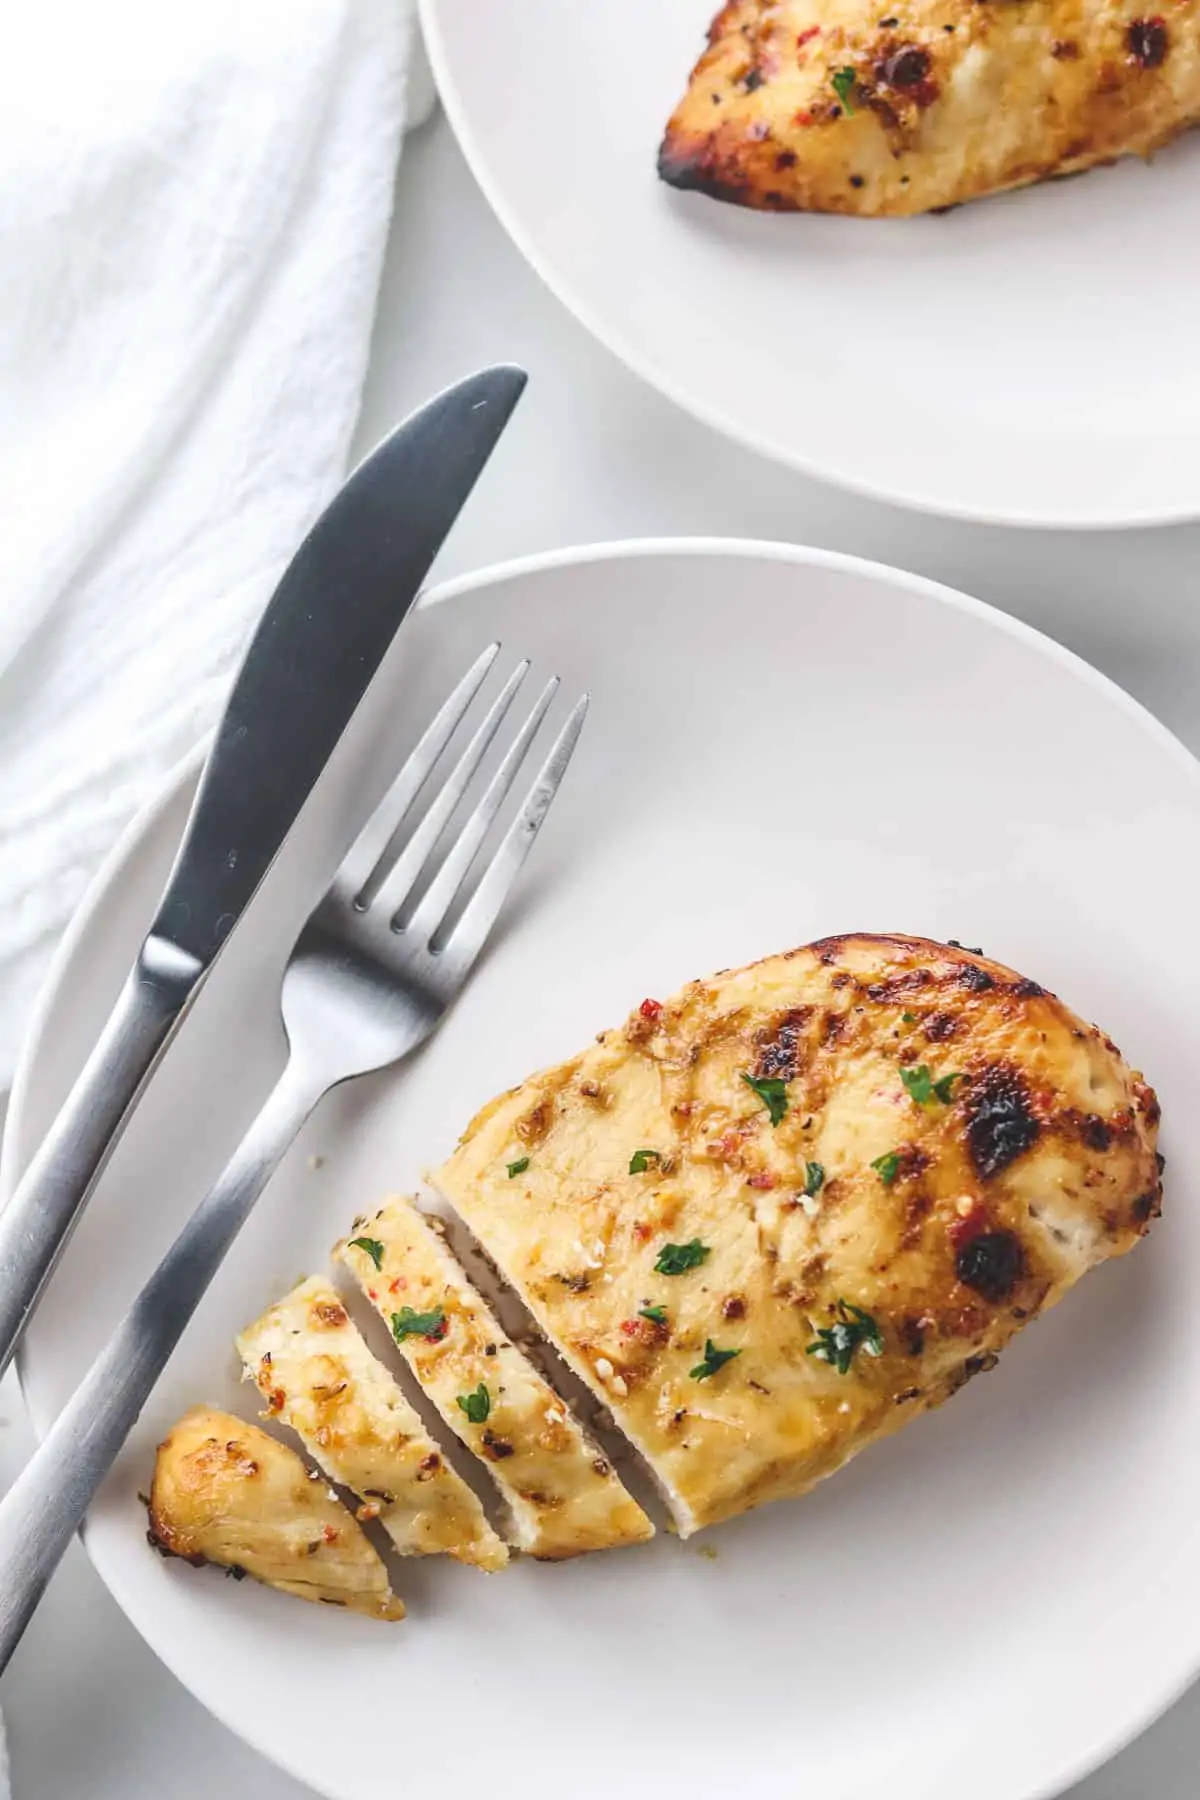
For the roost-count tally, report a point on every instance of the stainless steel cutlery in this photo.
(311, 659)
(371, 974)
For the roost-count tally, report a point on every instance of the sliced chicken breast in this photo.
(317, 1375)
(560, 1490)
(780, 1215)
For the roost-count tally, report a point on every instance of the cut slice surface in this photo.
(776, 1217)
(560, 1490)
(319, 1377)
(225, 1492)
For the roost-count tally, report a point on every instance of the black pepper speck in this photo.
(1148, 42)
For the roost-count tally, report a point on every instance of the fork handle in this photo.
(42, 1212)
(48, 1500)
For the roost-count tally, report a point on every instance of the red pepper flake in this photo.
(803, 117)
(806, 37)
(642, 1233)
(650, 1009)
(764, 1179)
(963, 1228)
(395, 1285)
(650, 1333)
(275, 1400)
(372, 1293)
(330, 1534)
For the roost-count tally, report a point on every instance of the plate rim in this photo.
(1111, 1742)
(714, 416)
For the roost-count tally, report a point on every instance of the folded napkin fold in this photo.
(194, 201)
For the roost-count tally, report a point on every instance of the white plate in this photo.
(1031, 359)
(782, 744)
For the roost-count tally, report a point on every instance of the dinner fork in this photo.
(370, 976)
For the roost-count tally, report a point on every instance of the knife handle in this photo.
(47, 1202)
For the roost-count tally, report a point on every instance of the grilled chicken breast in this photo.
(800, 106)
(317, 1375)
(561, 1493)
(224, 1492)
(782, 1214)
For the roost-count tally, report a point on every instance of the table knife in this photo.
(310, 660)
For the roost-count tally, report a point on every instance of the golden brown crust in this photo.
(956, 1150)
(225, 1492)
(924, 104)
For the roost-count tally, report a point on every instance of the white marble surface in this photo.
(592, 454)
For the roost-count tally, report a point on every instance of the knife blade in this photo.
(311, 658)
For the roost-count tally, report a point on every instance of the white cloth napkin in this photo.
(194, 200)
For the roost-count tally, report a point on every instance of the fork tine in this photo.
(361, 860)
(462, 853)
(469, 935)
(394, 884)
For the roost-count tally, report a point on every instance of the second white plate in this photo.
(781, 744)
(1031, 359)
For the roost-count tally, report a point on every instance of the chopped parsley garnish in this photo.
(814, 1179)
(909, 1018)
(657, 1315)
(843, 87)
(406, 1323)
(921, 1087)
(918, 1084)
(477, 1405)
(677, 1259)
(518, 1168)
(714, 1359)
(852, 1330)
(772, 1092)
(640, 1161)
(373, 1248)
(887, 1167)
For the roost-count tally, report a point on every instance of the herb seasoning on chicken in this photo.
(875, 1159)
(318, 1376)
(561, 1495)
(831, 108)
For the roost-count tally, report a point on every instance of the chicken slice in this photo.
(317, 1375)
(225, 1492)
(560, 1491)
